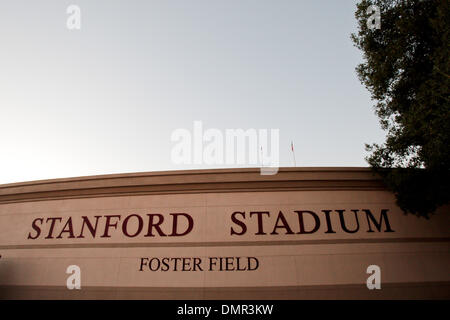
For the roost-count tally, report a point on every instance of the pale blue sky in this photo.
(105, 99)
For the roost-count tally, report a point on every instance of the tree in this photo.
(406, 70)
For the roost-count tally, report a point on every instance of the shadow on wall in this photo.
(6, 273)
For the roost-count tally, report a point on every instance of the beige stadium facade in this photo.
(303, 233)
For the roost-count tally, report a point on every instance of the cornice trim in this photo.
(192, 181)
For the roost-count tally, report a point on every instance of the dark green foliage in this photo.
(406, 70)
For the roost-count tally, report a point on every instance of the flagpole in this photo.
(262, 162)
(293, 153)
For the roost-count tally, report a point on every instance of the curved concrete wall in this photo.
(218, 234)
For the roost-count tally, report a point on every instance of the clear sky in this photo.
(106, 98)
